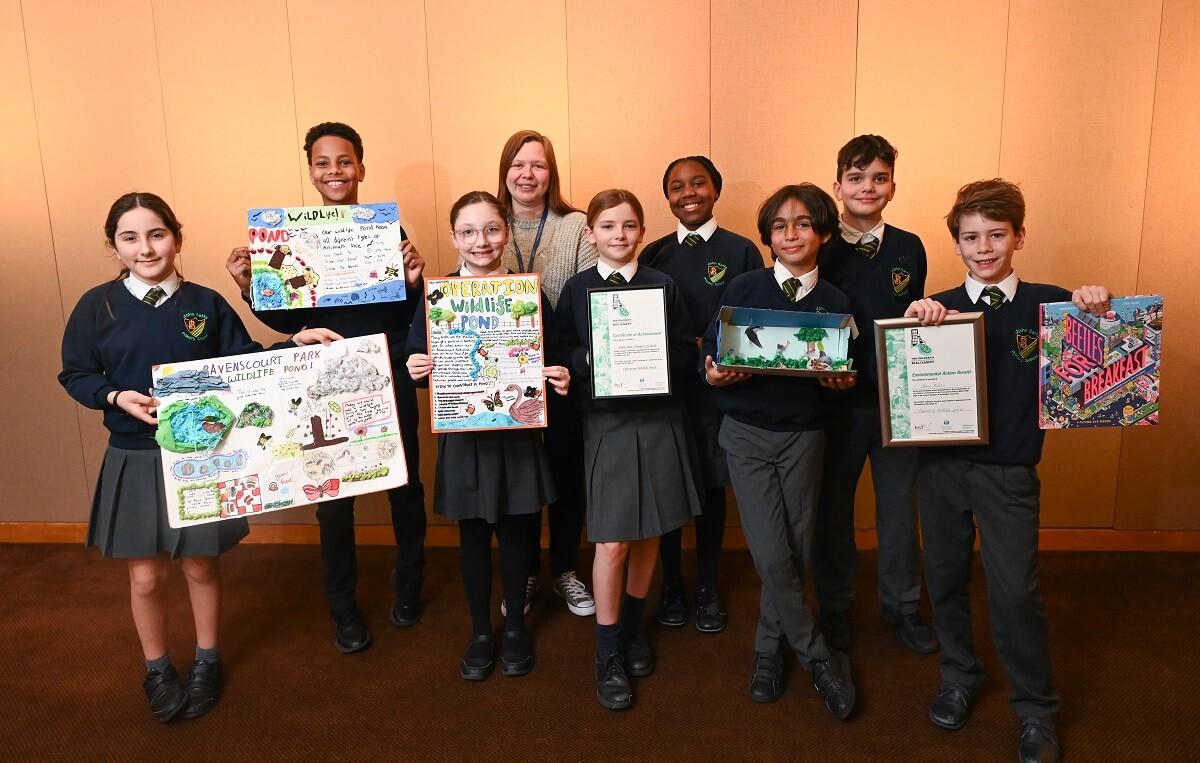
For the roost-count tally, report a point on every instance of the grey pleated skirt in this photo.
(641, 473)
(488, 475)
(129, 513)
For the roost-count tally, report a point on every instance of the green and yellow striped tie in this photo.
(692, 239)
(790, 287)
(616, 278)
(868, 246)
(995, 296)
(152, 296)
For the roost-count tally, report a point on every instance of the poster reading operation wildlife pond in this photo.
(485, 336)
(325, 256)
(248, 434)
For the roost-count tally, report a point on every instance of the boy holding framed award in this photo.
(994, 487)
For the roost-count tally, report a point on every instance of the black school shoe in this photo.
(203, 688)
(612, 684)
(831, 678)
(350, 633)
(477, 662)
(406, 607)
(1039, 743)
(639, 657)
(950, 707)
(516, 653)
(672, 609)
(167, 698)
(913, 631)
(710, 615)
(768, 680)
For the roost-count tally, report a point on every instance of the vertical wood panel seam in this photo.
(1003, 89)
(287, 18)
(854, 94)
(162, 102)
(709, 152)
(37, 133)
(567, 74)
(1137, 278)
(433, 154)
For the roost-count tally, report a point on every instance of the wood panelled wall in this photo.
(1091, 105)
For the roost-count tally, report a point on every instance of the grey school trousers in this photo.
(957, 497)
(853, 436)
(777, 479)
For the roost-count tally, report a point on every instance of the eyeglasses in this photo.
(470, 235)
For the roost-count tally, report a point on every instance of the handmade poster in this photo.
(248, 434)
(325, 256)
(1100, 371)
(784, 343)
(932, 381)
(629, 341)
(485, 335)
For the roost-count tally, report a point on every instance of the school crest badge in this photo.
(194, 325)
(714, 273)
(1026, 349)
(900, 279)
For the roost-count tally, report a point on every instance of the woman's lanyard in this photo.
(537, 239)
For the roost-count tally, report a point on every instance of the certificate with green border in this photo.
(932, 381)
(628, 341)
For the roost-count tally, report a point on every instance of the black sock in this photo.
(160, 664)
(475, 551)
(608, 639)
(632, 609)
(515, 534)
(710, 535)
(670, 551)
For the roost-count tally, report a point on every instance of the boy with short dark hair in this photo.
(881, 268)
(335, 167)
(994, 488)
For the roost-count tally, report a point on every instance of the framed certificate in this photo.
(932, 381)
(628, 341)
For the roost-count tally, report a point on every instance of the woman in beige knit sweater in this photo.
(547, 238)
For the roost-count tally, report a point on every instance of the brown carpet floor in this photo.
(1123, 633)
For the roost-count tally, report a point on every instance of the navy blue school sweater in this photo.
(1011, 332)
(703, 271)
(778, 403)
(573, 322)
(880, 287)
(112, 339)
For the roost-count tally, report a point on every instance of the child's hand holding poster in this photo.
(485, 336)
(1100, 371)
(254, 433)
(325, 256)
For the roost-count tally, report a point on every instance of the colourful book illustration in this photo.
(485, 335)
(760, 341)
(1100, 371)
(325, 256)
(249, 434)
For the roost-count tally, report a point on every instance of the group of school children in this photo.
(638, 469)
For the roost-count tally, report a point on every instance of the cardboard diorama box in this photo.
(785, 343)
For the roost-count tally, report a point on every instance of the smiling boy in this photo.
(881, 268)
(993, 490)
(335, 167)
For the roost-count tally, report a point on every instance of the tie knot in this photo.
(790, 287)
(152, 296)
(868, 245)
(692, 239)
(994, 295)
(615, 277)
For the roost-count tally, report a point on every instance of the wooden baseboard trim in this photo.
(1051, 539)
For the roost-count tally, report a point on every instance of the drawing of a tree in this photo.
(442, 315)
(521, 309)
(813, 336)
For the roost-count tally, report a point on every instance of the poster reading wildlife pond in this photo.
(325, 256)
(485, 336)
(248, 434)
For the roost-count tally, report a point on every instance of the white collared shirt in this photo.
(807, 281)
(853, 235)
(465, 270)
(628, 270)
(1008, 286)
(139, 288)
(706, 231)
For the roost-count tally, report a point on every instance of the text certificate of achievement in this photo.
(629, 342)
(932, 381)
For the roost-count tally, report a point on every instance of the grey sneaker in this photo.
(531, 589)
(572, 590)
